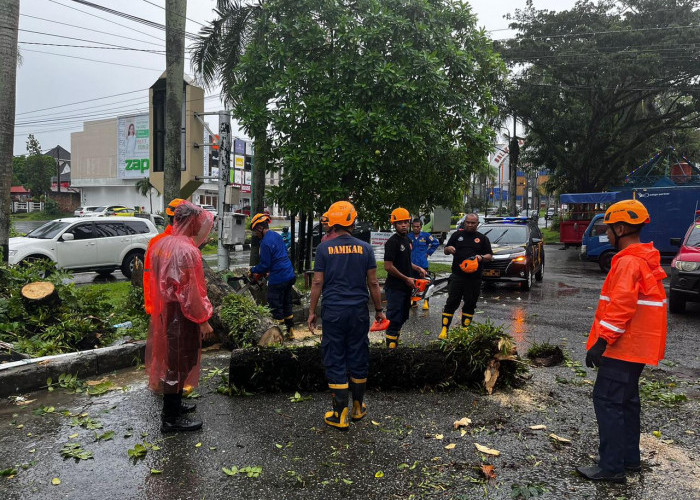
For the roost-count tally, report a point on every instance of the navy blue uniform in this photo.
(344, 262)
(275, 260)
(423, 246)
(397, 250)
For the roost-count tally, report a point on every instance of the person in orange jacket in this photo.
(147, 299)
(628, 332)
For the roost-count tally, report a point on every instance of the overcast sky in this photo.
(58, 89)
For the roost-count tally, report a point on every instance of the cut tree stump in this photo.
(40, 293)
(301, 369)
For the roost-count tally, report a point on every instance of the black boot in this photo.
(338, 417)
(466, 319)
(392, 341)
(289, 323)
(595, 473)
(359, 409)
(172, 419)
(186, 407)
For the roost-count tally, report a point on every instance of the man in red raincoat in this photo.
(628, 332)
(180, 314)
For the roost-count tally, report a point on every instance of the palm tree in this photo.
(145, 188)
(215, 57)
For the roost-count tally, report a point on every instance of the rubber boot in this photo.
(173, 420)
(359, 409)
(289, 323)
(426, 306)
(392, 341)
(338, 416)
(414, 303)
(466, 319)
(446, 318)
(186, 407)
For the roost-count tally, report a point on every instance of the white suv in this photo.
(100, 244)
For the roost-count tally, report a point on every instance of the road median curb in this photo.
(31, 374)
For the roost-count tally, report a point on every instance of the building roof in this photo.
(18, 190)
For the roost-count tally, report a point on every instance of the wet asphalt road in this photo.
(301, 458)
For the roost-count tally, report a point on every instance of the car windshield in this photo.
(99, 209)
(694, 237)
(505, 235)
(48, 230)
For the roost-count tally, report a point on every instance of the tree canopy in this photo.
(600, 86)
(384, 102)
(38, 168)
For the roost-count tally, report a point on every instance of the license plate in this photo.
(491, 272)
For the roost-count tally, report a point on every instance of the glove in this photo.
(595, 353)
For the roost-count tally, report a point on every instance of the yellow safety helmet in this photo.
(341, 213)
(629, 211)
(399, 215)
(469, 265)
(258, 219)
(170, 209)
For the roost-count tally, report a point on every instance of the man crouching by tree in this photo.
(343, 268)
(180, 315)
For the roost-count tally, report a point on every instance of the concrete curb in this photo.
(31, 374)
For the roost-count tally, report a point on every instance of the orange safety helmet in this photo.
(341, 213)
(170, 209)
(469, 265)
(258, 219)
(399, 215)
(629, 211)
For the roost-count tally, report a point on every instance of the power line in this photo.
(108, 20)
(179, 15)
(71, 38)
(587, 33)
(92, 60)
(130, 17)
(93, 30)
(82, 102)
(92, 47)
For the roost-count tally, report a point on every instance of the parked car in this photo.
(84, 211)
(362, 232)
(100, 244)
(156, 220)
(685, 270)
(518, 250)
(105, 210)
(549, 214)
(210, 208)
(124, 212)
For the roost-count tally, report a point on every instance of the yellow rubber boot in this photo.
(466, 319)
(426, 306)
(289, 324)
(338, 416)
(359, 409)
(392, 341)
(446, 318)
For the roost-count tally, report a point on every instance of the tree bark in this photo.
(175, 11)
(301, 369)
(9, 19)
(257, 202)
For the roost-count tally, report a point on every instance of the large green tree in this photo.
(38, 168)
(385, 102)
(599, 85)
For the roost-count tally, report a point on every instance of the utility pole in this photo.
(175, 11)
(9, 20)
(58, 171)
(514, 154)
(224, 169)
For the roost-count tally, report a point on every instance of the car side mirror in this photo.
(68, 237)
(676, 242)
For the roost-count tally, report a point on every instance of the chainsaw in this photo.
(424, 287)
(253, 282)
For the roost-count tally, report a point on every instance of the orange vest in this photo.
(147, 300)
(631, 314)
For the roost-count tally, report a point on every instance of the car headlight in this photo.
(518, 257)
(685, 266)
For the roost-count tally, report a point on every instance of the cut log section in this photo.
(40, 293)
(301, 369)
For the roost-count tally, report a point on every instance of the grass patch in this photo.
(435, 267)
(550, 235)
(39, 216)
(660, 392)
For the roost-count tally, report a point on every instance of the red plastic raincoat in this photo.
(631, 313)
(147, 299)
(180, 302)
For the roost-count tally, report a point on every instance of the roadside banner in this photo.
(378, 238)
(132, 147)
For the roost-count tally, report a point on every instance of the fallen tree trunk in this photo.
(301, 369)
